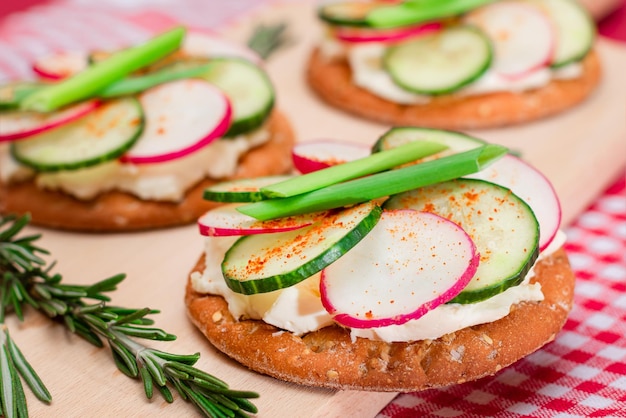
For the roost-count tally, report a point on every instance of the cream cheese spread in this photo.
(166, 181)
(299, 309)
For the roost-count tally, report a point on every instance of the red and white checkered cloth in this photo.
(581, 374)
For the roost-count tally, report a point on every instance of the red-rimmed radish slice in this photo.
(17, 125)
(531, 186)
(361, 35)
(208, 45)
(60, 65)
(182, 117)
(225, 220)
(523, 36)
(315, 155)
(410, 263)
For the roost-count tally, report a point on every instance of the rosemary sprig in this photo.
(267, 39)
(26, 281)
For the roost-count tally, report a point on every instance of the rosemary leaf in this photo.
(267, 39)
(147, 381)
(27, 372)
(7, 391)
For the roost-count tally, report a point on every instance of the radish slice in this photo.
(17, 125)
(523, 37)
(410, 263)
(531, 186)
(181, 117)
(202, 44)
(60, 65)
(315, 155)
(361, 35)
(225, 220)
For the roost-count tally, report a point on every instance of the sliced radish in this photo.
(315, 155)
(532, 187)
(523, 36)
(361, 35)
(410, 263)
(208, 45)
(225, 220)
(17, 125)
(182, 116)
(60, 65)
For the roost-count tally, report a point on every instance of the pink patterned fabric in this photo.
(581, 374)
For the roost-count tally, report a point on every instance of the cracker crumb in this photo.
(217, 316)
(332, 374)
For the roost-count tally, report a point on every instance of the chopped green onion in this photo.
(132, 85)
(89, 82)
(371, 164)
(418, 11)
(377, 185)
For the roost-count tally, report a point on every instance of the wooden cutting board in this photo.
(581, 151)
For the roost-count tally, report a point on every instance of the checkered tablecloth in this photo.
(581, 374)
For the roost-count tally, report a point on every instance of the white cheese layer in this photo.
(167, 181)
(299, 309)
(366, 63)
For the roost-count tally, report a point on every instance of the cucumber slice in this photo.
(575, 31)
(102, 135)
(347, 13)
(268, 262)
(249, 89)
(455, 141)
(241, 190)
(502, 226)
(440, 63)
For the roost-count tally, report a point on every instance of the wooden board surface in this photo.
(581, 152)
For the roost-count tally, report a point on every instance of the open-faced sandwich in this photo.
(129, 140)
(459, 64)
(435, 260)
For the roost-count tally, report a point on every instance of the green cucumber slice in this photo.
(241, 190)
(267, 262)
(503, 227)
(575, 31)
(440, 63)
(347, 13)
(249, 89)
(102, 135)
(455, 141)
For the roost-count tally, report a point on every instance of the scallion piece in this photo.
(132, 85)
(89, 82)
(377, 185)
(418, 11)
(371, 164)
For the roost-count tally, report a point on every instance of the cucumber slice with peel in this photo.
(249, 89)
(455, 141)
(268, 262)
(241, 190)
(102, 135)
(347, 13)
(575, 31)
(440, 63)
(503, 227)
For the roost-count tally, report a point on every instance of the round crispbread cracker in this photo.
(328, 358)
(331, 79)
(119, 211)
